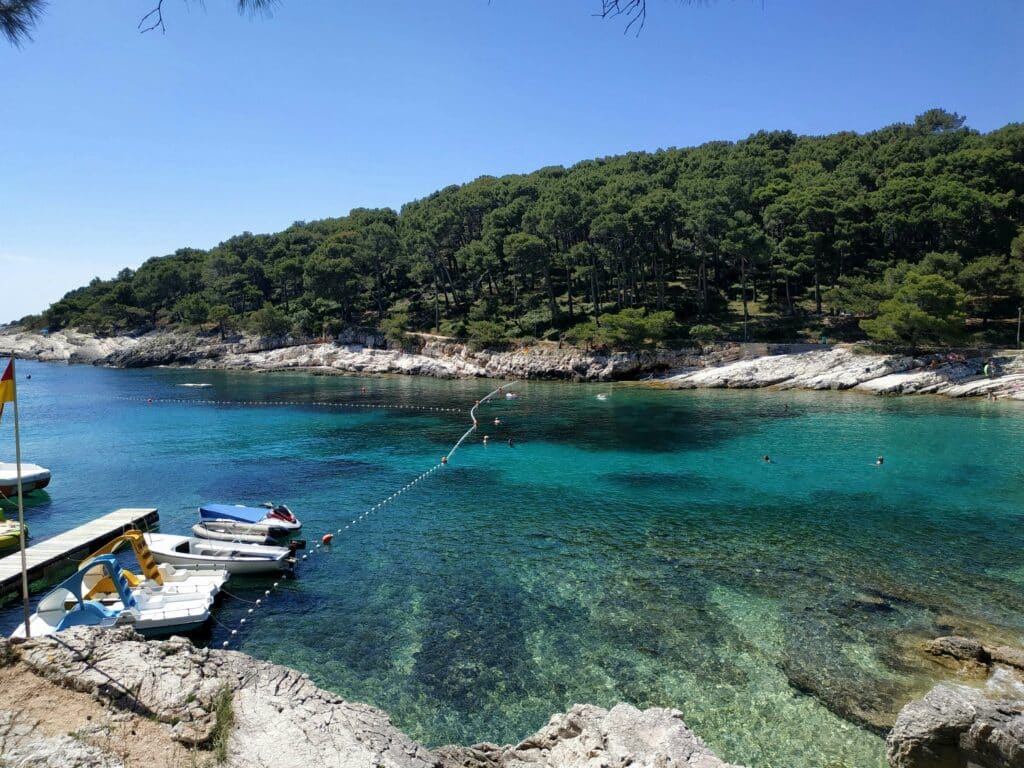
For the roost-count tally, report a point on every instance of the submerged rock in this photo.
(958, 727)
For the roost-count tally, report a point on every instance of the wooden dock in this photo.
(62, 553)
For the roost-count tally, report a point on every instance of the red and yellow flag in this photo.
(7, 386)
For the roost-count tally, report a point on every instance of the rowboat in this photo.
(33, 478)
(233, 557)
(67, 605)
(277, 517)
(230, 530)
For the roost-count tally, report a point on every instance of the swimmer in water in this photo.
(497, 422)
(486, 439)
(766, 459)
(510, 443)
(879, 461)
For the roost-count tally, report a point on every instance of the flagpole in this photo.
(21, 503)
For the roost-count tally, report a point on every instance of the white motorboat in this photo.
(230, 530)
(33, 478)
(234, 557)
(66, 605)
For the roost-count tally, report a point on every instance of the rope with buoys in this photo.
(291, 403)
(359, 518)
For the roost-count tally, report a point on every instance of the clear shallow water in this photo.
(631, 549)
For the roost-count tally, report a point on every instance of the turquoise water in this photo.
(635, 548)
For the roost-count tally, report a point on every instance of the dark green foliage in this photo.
(270, 321)
(486, 334)
(765, 237)
(926, 308)
(706, 332)
(625, 330)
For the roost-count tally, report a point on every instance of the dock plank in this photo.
(71, 545)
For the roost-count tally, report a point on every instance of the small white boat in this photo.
(277, 517)
(191, 552)
(230, 530)
(150, 614)
(196, 386)
(602, 396)
(33, 478)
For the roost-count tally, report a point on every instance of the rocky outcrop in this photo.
(586, 737)
(281, 719)
(437, 357)
(842, 368)
(176, 683)
(973, 655)
(64, 346)
(958, 727)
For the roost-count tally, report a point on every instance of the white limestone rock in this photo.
(591, 737)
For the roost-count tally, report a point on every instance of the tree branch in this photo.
(634, 10)
(157, 14)
(18, 18)
(155, 18)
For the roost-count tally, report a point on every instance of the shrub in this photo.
(706, 332)
(486, 334)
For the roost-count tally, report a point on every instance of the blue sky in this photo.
(119, 146)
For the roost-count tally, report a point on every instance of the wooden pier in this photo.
(63, 552)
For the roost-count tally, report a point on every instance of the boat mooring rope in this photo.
(233, 633)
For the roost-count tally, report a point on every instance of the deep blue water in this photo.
(635, 548)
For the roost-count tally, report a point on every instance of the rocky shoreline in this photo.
(198, 705)
(732, 366)
(107, 698)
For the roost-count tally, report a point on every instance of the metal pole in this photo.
(21, 503)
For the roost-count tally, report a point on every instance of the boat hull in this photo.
(33, 478)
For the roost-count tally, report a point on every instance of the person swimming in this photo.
(510, 443)
(497, 422)
(766, 459)
(879, 461)
(487, 439)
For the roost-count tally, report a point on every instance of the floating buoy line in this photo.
(291, 403)
(327, 538)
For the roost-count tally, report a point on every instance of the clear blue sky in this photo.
(118, 146)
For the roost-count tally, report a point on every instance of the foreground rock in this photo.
(958, 727)
(278, 718)
(586, 736)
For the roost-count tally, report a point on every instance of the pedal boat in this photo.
(152, 615)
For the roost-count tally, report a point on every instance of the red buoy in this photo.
(328, 537)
